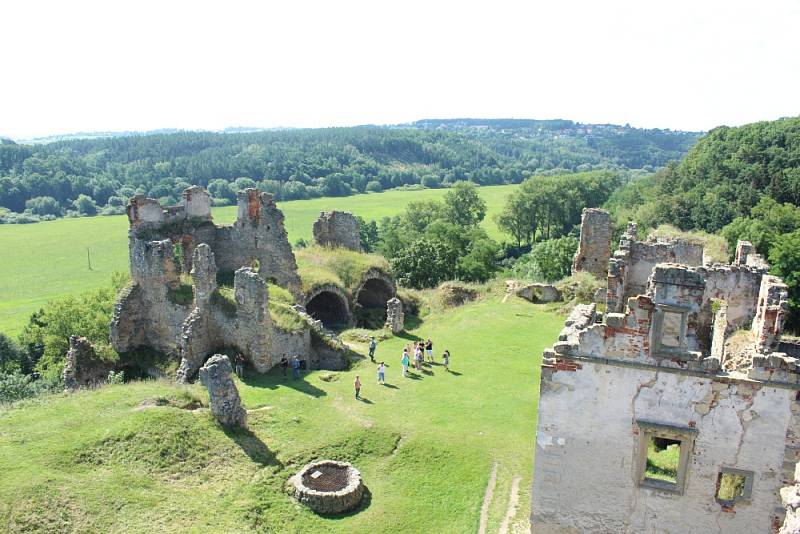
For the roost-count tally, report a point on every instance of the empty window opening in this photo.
(329, 308)
(733, 485)
(177, 256)
(671, 330)
(663, 458)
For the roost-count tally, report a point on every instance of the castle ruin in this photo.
(191, 318)
(337, 229)
(594, 247)
(688, 358)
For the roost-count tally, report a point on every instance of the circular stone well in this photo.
(328, 487)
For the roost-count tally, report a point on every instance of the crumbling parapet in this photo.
(82, 367)
(395, 319)
(337, 229)
(204, 275)
(773, 305)
(225, 403)
(594, 249)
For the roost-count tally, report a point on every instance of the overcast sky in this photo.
(70, 66)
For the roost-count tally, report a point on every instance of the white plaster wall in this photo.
(586, 448)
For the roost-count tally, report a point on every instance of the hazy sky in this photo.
(77, 65)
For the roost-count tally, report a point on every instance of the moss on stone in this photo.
(338, 266)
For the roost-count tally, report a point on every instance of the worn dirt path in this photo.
(513, 501)
(487, 499)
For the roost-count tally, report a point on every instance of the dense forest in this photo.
(97, 175)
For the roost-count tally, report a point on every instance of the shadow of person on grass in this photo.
(390, 386)
(413, 376)
(252, 445)
(275, 379)
(455, 373)
(427, 372)
(365, 400)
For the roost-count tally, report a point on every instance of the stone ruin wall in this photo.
(145, 314)
(630, 267)
(604, 384)
(594, 248)
(337, 229)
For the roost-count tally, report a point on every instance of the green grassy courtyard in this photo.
(96, 461)
(46, 260)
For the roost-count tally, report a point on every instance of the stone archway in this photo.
(369, 300)
(328, 304)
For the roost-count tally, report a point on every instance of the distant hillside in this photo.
(96, 172)
(726, 173)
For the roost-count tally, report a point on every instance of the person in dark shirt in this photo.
(284, 364)
(429, 350)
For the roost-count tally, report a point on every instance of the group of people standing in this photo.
(421, 351)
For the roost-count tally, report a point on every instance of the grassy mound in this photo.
(99, 459)
(338, 266)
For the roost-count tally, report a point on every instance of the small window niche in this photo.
(663, 456)
(733, 485)
(669, 330)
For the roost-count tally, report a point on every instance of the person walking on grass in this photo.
(284, 365)
(372, 345)
(357, 384)
(404, 361)
(382, 373)
(446, 358)
(429, 350)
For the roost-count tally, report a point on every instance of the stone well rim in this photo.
(353, 478)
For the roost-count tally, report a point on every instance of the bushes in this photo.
(548, 260)
(15, 387)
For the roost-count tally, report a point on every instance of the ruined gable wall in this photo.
(587, 444)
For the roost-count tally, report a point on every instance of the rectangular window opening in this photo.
(671, 325)
(733, 485)
(663, 459)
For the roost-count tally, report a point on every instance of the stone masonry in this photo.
(594, 248)
(652, 374)
(163, 243)
(224, 397)
(337, 229)
(395, 318)
(82, 367)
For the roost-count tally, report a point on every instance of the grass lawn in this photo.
(92, 462)
(46, 260)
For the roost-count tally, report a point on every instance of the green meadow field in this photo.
(46, 260)
(97, 461)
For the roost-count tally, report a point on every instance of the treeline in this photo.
(88, 176)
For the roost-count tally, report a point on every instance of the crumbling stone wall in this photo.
(395, 319)
(224, 397)
(147, 313)
(82, 366)
(594, 249)
(773, 305)
(632, 263)
(337, 229)
(606, 385)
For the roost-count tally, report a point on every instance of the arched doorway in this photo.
(329, 305)
(370, 301)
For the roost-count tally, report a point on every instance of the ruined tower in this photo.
(594, 248)
(337, 229)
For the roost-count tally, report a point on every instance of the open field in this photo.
(93, 462)
(46, 260)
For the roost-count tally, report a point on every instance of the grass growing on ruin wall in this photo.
(338, 266)
(47, 260)
(716, 247)
(96, 460)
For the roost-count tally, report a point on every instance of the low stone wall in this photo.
(329, 502)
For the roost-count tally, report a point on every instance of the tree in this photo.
(43, 206)
(368, 232)
(463, 205)
(220, 189)
(424, 263)
(548, 260)
(784, 259)
(85, 205)
(10, 355)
